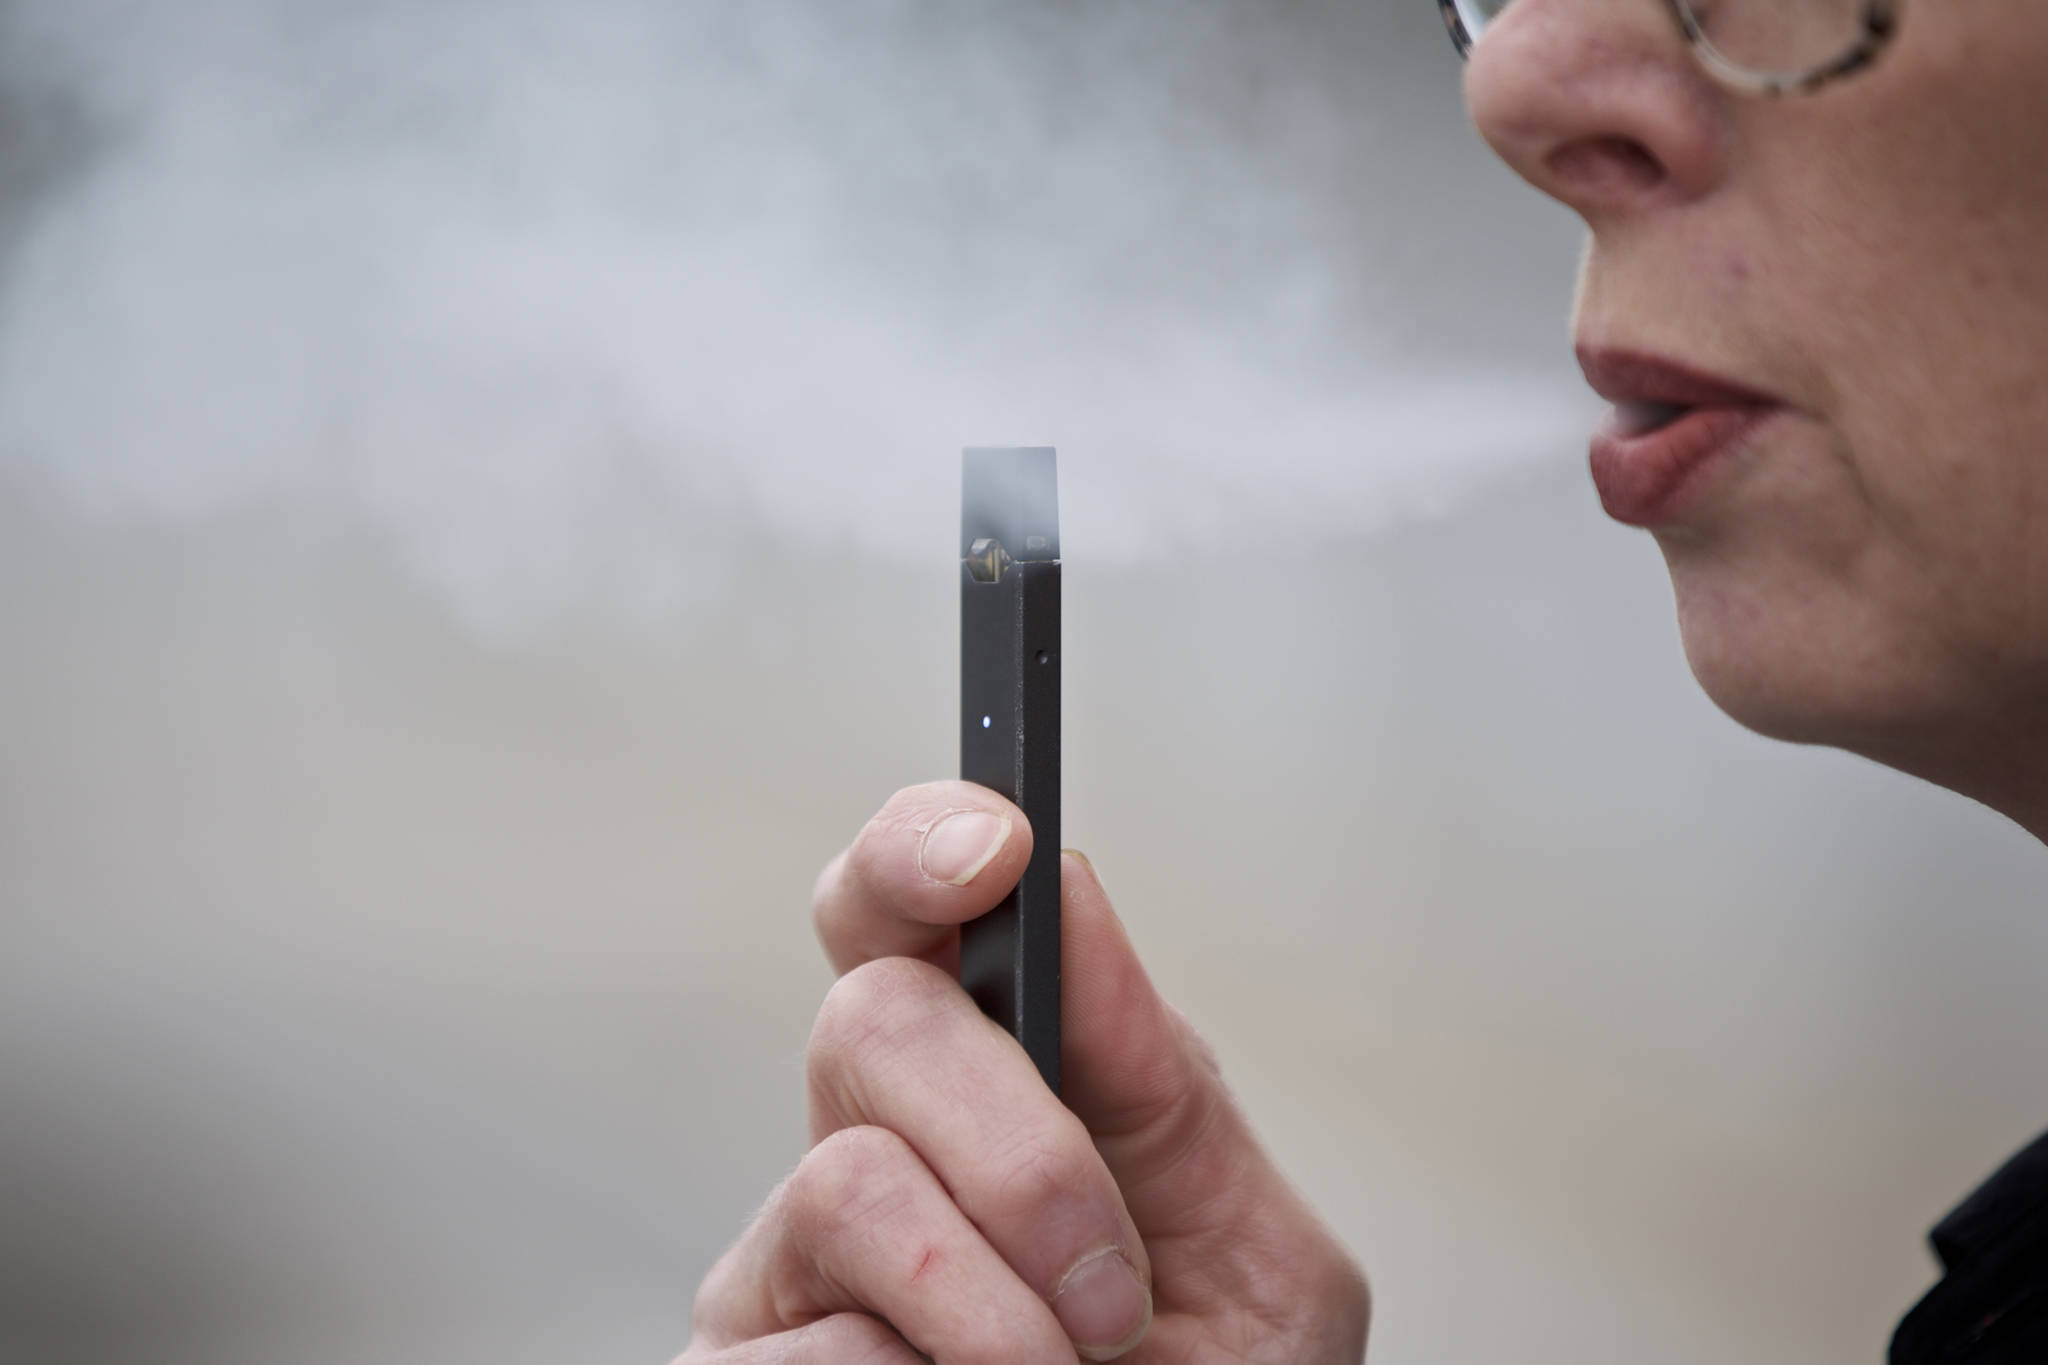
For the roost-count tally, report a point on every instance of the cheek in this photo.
(1953, 466)
(1911, 273)
(1858, 586)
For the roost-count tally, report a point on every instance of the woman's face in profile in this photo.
(1868, 564)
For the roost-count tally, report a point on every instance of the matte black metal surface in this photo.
(1010, 740)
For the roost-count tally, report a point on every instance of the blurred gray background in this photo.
(476, 489)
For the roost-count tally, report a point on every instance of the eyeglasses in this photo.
(1764, 47)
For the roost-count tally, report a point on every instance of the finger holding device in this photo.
(960, 1190)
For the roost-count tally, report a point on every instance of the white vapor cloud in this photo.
(554, 298)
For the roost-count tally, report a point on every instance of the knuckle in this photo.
(824, 890)
(882, 860)
(1037, 1173)
(902, 814)
(863, 873)
(1302, 1286)
(726, 1285)
(1199, 1048)
(870, 1007)
(849, 1183)
(1353, 1295)
(855, 1339)
(710, 1294)
(1337, 1281)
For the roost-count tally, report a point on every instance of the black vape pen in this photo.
(1010, 729)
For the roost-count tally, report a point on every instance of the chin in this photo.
(1797, 654)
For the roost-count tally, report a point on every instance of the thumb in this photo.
(1135, 1072)
(1232, 1247)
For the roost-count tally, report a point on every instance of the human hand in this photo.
(953, 1209)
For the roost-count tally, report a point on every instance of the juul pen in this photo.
(1010, 728)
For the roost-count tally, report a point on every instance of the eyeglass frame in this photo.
(1880, 25)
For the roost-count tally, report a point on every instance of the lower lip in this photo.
(1646, 479)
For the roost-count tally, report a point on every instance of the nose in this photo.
(1599, 104)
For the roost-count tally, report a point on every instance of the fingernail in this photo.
(1104, 1306)
(1078, 856)
(961, 844)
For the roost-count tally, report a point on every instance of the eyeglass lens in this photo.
(1768, 37)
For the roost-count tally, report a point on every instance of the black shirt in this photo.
(1991, 1306)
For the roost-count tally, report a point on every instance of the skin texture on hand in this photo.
(950, 1195)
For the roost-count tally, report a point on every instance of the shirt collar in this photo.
(2008, 1211)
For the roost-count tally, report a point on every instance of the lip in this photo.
(1646, 477)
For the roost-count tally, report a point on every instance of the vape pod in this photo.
(1010, 729)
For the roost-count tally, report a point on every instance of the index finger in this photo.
(934, 857)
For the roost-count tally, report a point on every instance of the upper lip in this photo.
(1625, 376)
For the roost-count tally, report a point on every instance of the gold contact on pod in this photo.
(986, 560)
